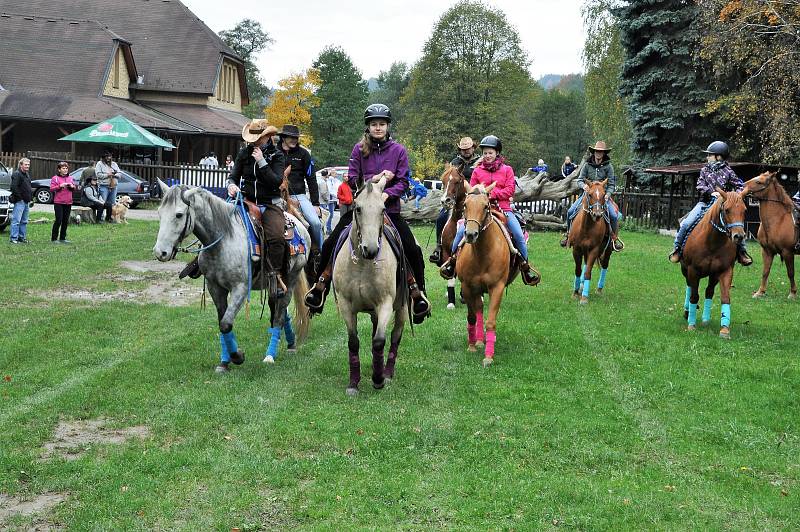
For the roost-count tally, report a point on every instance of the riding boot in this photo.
(530, 276)
(675, 255)
(448, 269)
(315, 298)
(192, 270)
(436, 256)
(564, 240)
(420, 306)
(616, 243)
(797, 235)
(742, 256)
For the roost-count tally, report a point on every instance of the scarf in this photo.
(494, 165)
(718, 165)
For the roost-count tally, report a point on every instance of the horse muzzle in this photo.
(448, 203)
(471, 236)
(164, 255)
(369, 252)
(738, 236)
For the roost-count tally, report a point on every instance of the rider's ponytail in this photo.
(366, 145)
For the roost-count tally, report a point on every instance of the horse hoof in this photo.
(238, 358)
(351, 392)
(584, 300)
(599, 291)
(479, 344)
(704, 323)
(758, 295)
(379, 385)
(487, 362)
(268, 360)
(450, 306)
(292, 349)
(691, 328)
(574, 295)
(471, 348)
(793, 295)
(686, 314)
(725, 333)
(222, 368)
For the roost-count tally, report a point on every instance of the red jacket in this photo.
(503, 192)
(62, 196)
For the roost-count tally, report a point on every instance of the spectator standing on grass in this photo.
(333, 189)
(90, 196)
(21, 196)
(61, 185)
(107, 171)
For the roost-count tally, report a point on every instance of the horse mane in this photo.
(783, 196)
(219, 208)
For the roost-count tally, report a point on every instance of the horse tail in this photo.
(302, 318)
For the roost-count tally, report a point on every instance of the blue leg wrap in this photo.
(692, 314)
(577, 283)
(225, 356)
(725, 319)
(274, 341)
(688, 296)
(602, 282)
(288, 330)
(585, 288)
(706, 311)
(583, 272)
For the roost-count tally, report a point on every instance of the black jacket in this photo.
(259, 183)
(302, 172)
(466, 166)
(21, 187)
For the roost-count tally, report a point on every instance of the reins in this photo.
(724, 227)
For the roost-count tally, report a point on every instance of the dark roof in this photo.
(174, 50)
(209, 119)
(689, 169)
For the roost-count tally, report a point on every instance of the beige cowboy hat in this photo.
(600, 146)
(466, 143)
(256, 129)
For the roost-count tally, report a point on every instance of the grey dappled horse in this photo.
(365, 281)
(226, 265)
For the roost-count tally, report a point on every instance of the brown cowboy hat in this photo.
(466, 143)
(290, 130)
(600, 146)
(254, 130)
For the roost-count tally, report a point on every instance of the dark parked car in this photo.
(129, 185)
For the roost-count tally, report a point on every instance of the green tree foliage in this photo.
(424, 161)
(336, 123)
(560, 127)
(753, 50)
(472, 80)
(606, 109)
(248, 38)
(391, 84)
(662, 81)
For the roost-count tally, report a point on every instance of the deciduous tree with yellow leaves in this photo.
(292, 102)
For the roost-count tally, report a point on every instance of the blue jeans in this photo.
(331, 210)
(109, 195)
(416, 202)
(613, 213)
(19, 221)
(441, 221)
(310, 214)
(513, 227)
(687, 222)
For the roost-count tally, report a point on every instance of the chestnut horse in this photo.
(455, 193)
(483, 265)
(590, 236)
(710, 251)
(776, 233)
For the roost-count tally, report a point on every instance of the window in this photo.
(115, 72)
(226, 87)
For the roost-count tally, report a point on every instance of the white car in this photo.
(5, 209)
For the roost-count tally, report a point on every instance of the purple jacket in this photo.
(720, 175)
(389, 155)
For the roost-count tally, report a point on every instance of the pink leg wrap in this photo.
(471, 333)
(491, 337)
(479, 326)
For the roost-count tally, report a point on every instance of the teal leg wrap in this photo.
(583, 272)
(706, 311)
(228, 340)
(225, 355)
(288, 330)
(577, 283)
(688, 296)
(692, 314)
(725, 319)
(585, 288)
(602, 282)
(274, 341)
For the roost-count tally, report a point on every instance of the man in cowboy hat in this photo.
(300, 173)
(465, 161)
(597, 168)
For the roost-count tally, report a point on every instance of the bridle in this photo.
(487, 218)
(724, 227)
(587, 207)
(186, 230)
(452, 199)
(357, 226)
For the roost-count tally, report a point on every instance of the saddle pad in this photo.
(694, 224)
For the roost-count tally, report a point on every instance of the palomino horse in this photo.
(365, 280)
(776, 233)
(483, 265)
(455, 193)
(710, 251)
(225, 262)
(590, 236)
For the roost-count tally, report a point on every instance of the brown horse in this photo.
(590, 236)
(710, 251)
(776, 234)
(455, 192)
(483, 265)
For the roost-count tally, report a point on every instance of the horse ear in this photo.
(360, 182)
(720, 191)
(163, 186)
(468, 187)
(604, 182)
(490, 187)
(381, 183)
(587, 182)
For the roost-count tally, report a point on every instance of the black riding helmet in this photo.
(490, 141)
(718, 148)
(377, 110)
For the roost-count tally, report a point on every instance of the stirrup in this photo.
(674, 256)
(564, 241)
(617, 244)
(531, 276)
(448, 269)
(275, 285)
(436, 256)
(314, 306)
(418, 316)
(744, 258)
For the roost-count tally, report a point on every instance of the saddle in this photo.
(692, 227)
(501, 219)
(294, 241)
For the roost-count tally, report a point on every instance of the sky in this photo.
(376, 33)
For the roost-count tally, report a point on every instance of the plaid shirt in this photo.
(718, 174)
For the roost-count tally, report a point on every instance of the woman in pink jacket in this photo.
(492, 169)
(61, 185)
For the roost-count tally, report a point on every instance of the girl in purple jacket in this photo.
(377, 154)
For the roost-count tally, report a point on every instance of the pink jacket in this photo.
(62, 196)
(503, 192)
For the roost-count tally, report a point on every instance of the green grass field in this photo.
(608, 416)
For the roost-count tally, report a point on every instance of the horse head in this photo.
(732, 209)
(368, 210)
(759, 185)
(455, 191)
(175, 219)
(594, 198)
(477, 212)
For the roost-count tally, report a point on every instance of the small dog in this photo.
(119, 212)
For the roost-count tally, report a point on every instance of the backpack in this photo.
(345, 194)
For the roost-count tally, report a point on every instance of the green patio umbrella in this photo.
(118, 130)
